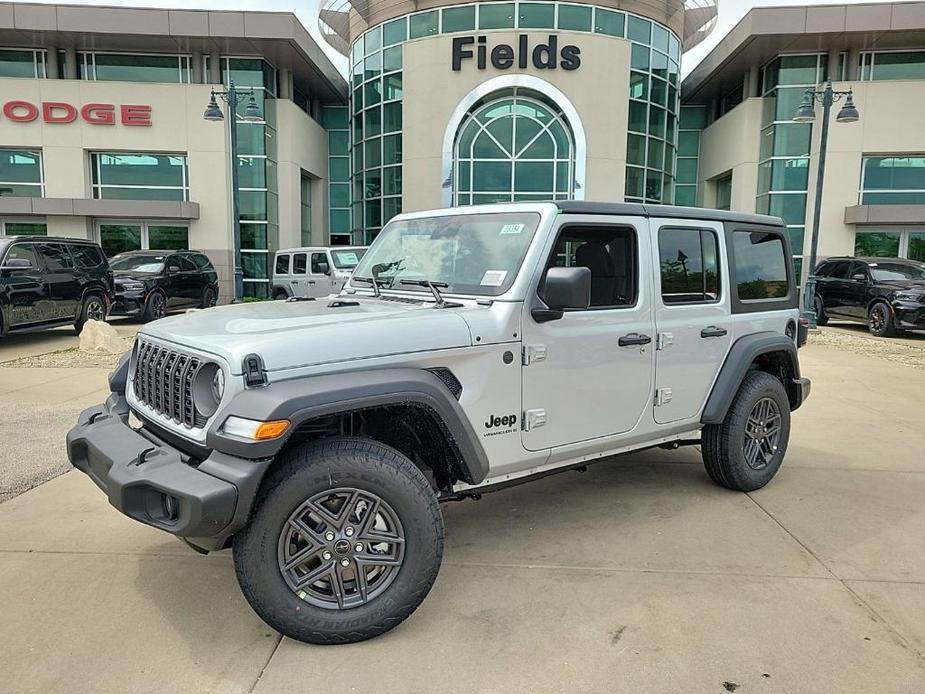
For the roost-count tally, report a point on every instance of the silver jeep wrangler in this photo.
(472, 349)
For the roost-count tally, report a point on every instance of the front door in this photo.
(320, 273)
(589, 374)
(25, 291)
(692, 316)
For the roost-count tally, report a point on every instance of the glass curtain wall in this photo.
(22, 62)
(305, 210)
(257, 171)
(784, 158)
(139, 176)
(336, 120)
(376, 100)
(132, 67)
(897, 179)
(893, 65)
(693, 119)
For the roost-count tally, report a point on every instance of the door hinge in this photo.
(663, 340)
(533, 419)
(533, 354)
(662, 396)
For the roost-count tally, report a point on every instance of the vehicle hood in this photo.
(289, 334)
(131, 276)
(906, 285)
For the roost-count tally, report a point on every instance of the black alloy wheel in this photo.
(880, 321)
(95, 309)
(156, 307)
(209, 298)
(341, 548)
(762, 434)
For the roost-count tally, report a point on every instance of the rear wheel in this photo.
(155, 307)
(880, 321)
(93, 308)
(747, 449)
(209, 298)
(345, 542)
(819, 307)
(280, 294)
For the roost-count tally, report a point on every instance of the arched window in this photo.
(513, 146)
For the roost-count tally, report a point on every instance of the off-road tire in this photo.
(209, 298)
(821, 317)
(280, 294)
(155, 307)
(723, 445)
(311, 469)
(880, 321)
(92, 308)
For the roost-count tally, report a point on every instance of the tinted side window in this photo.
(201, 262)
(87, 256)
(282, 265)
(186, 264)
(317, 260)
(299, 263)
(823, 269)
(688, 260)
(57, 258)
(839, 270)
(760, 265)
(23, 251)
(858, 268)
(609, 253)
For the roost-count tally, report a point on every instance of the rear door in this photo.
(589, 374)
(299, 281)
(281, 271)
(857, 289)
(25, 291)
(320, 274)
(692, 315)
(834, 289)
(63, 288)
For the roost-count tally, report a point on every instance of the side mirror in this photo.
(859, 276)
(564, 288)
(324, 268)
(17, 264)
(171, 269)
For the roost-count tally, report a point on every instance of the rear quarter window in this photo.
(88, 257)
(201, 261)
(760, 265)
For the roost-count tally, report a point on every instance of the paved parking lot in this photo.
(638, 575)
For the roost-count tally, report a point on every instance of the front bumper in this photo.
(909, 315)
(157, 484)
(127, 303)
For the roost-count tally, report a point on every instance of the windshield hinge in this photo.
(533, 354)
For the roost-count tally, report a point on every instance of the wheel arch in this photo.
(411, 410)
(770, 352)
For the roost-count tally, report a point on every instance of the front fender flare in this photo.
(741, 356)
(302, 399)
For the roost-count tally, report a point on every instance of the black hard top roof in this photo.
(53, 239)
(671, 211)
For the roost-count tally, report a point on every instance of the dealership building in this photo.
(102, 132)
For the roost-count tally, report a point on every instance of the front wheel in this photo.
(345, 542)
(93, 308)
(155, 307)
(880, 321)
(747, 449)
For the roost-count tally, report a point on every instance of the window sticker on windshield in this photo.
(511, 229)
(494, 278)
(348, 258)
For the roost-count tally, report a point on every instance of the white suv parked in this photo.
(313, 272)
(472, 349)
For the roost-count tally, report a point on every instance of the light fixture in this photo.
(849, 112)
(213, 112)
(806, 113)
(252, 111)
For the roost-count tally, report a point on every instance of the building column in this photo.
(285, 84)
(853, 71)
(70, 63)
(746, 85)
(834, 56)
(754, 80)
(52, 70)
(196, 68)
(215, 68)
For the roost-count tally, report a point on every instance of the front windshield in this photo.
(348, 258)
(897, 272)
(471, 253)
(152, 264)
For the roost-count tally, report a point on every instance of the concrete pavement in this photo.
(636, 576)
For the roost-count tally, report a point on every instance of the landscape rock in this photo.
(101, 338)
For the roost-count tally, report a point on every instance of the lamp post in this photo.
(233, 96)
(807, 114)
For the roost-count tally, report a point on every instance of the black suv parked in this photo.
(888, 294)
(150, 283)
(47, 281)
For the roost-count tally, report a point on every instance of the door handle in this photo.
(713, 331)
(634, 340)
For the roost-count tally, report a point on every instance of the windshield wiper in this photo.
(434, 288)
(368, 280)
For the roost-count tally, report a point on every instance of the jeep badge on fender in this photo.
(324, 475)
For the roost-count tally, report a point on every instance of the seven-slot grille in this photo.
(164, 382)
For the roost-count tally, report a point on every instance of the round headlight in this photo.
(218, 385)
(208, 389)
